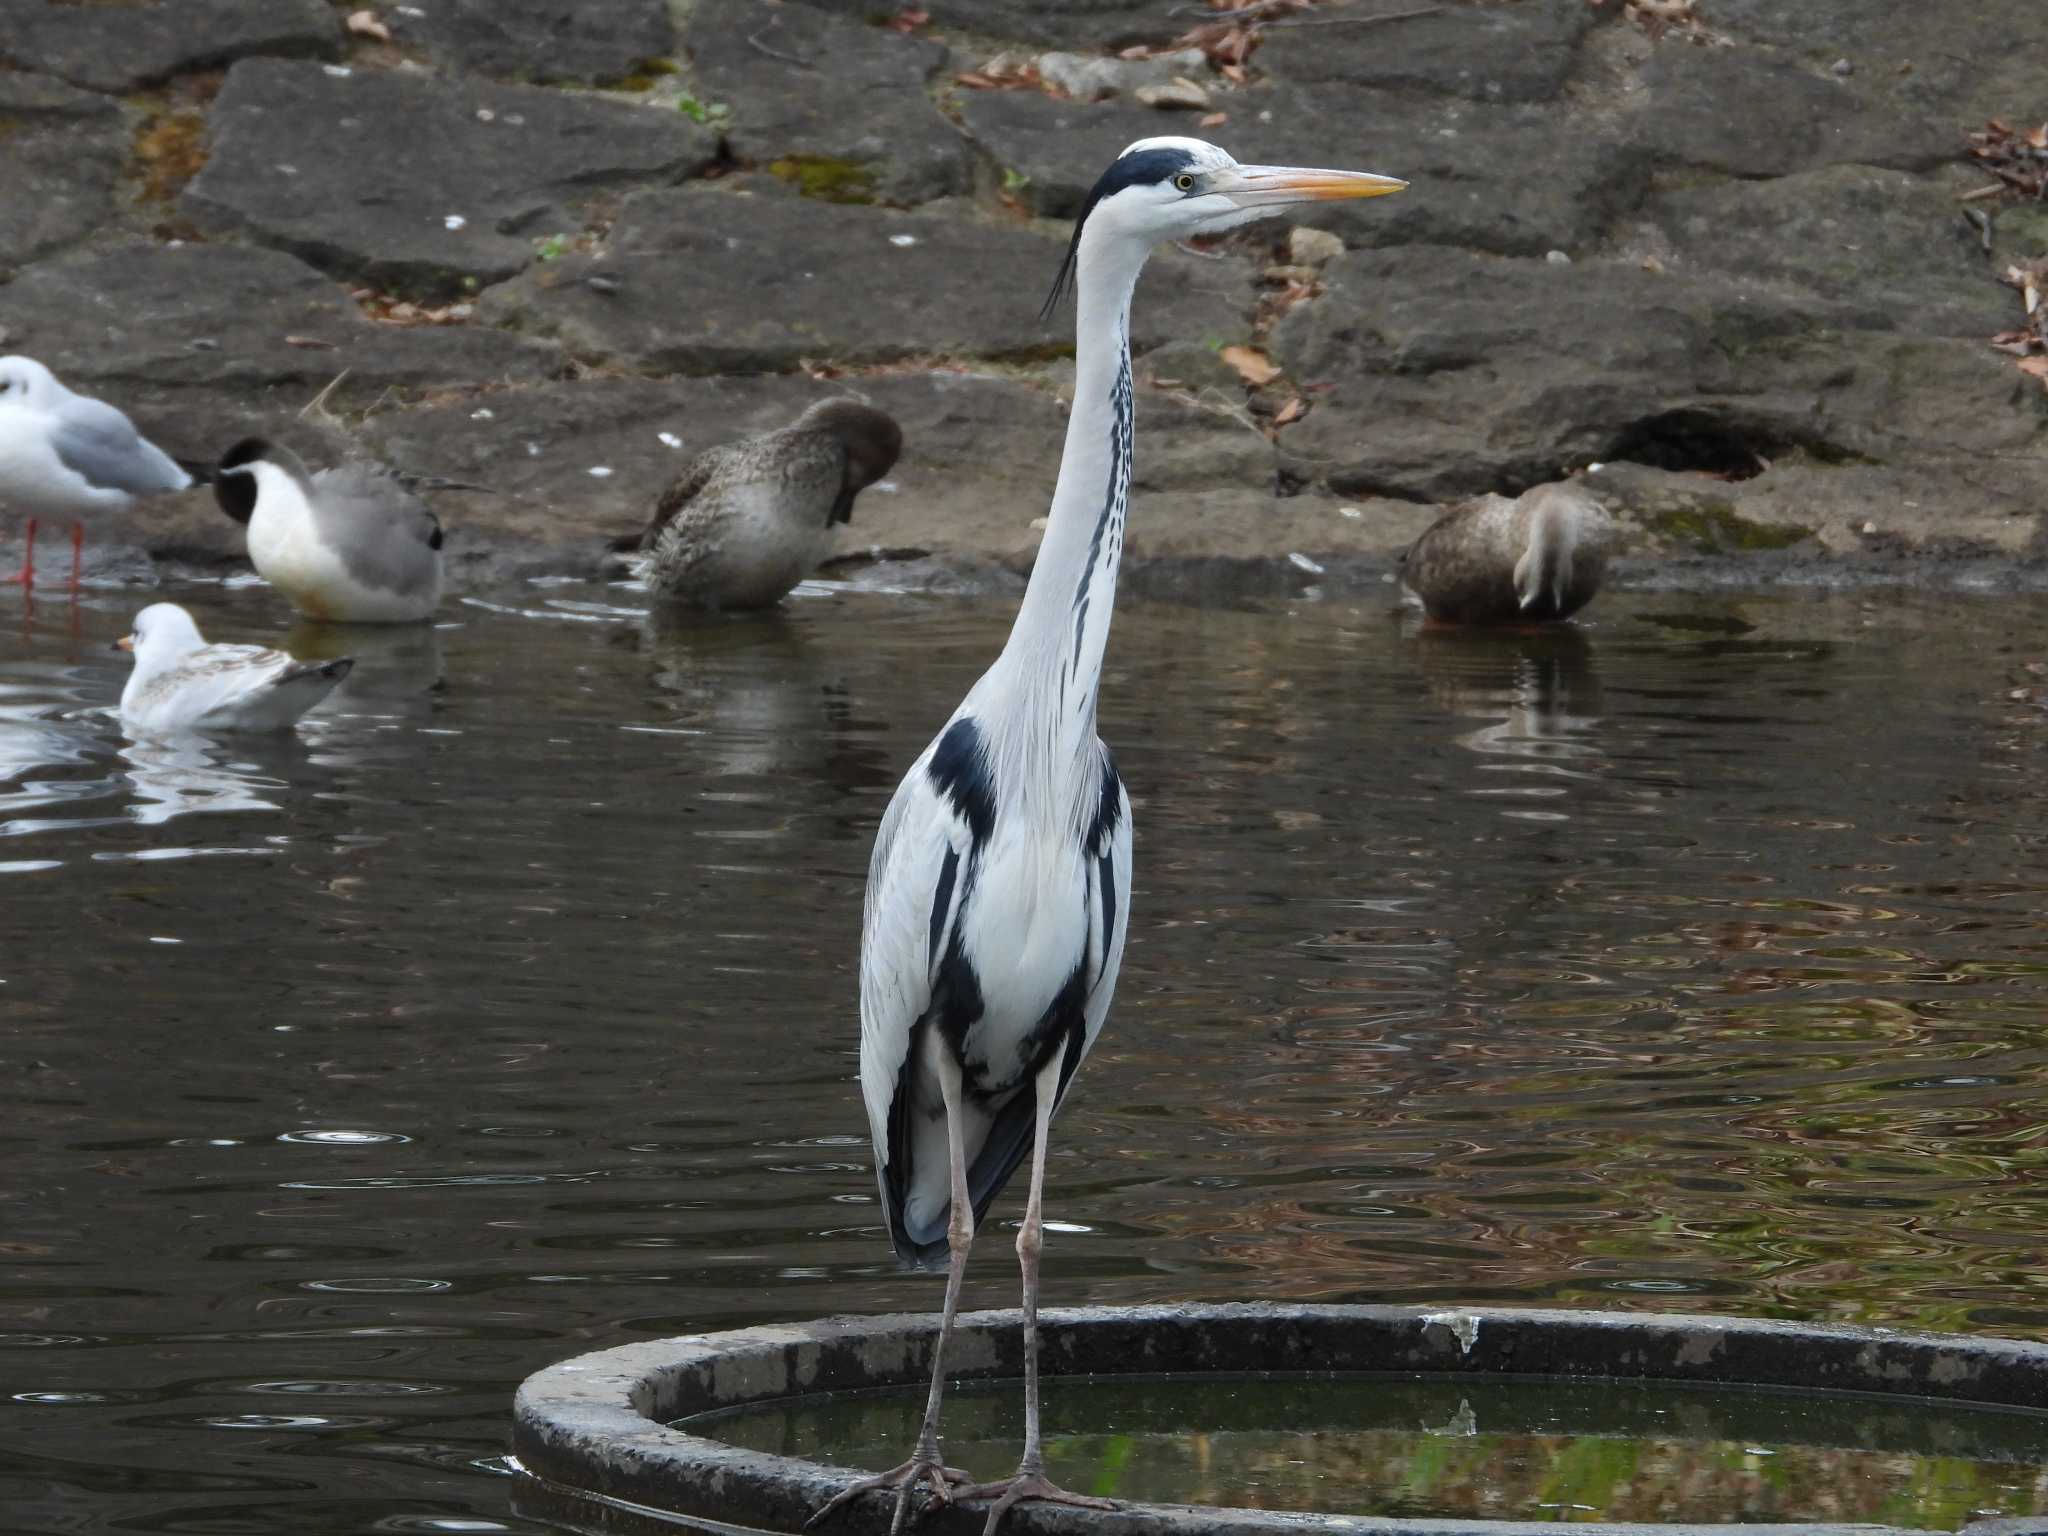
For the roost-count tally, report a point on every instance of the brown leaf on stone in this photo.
(907, 21)
(1005, 72)
(365, 24)
(2035, 367)
(2018, 160)
(1213, 120)
(310, 343)
(1293, 410)
(1252, 365)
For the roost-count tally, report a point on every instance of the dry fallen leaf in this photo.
(366, 24)
(907, 21)
(1252, 365)
(1214, 120)
(2036, 366)
(1293, 410)
(310, 343)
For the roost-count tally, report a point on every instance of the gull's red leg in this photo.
(77, 552)
(26, 576)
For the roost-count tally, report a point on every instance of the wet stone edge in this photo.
(597, 1424)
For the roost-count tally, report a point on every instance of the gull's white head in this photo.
(1172, 188)
(162, 633)
(24, 381)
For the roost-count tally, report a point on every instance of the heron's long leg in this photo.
(925, 1461)
(1031, 1481)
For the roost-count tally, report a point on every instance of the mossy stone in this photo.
(827, 179)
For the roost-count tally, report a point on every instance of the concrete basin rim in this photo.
(597, 1425)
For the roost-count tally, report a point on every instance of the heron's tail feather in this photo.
(920, 1236)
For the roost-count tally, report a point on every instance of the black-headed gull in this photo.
(67, 455)
(351, 544)
(180, 683)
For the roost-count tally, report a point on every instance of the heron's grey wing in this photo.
(386, 536)
(96, 442)
(1109, 892)
(914, 889)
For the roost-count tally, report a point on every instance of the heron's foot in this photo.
(1027, 1485)
(904, 1479)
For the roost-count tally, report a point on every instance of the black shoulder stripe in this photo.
(960, 771)
(1105, 891)
(1109, 809)
(942, 901)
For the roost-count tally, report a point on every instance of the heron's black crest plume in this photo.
(1139, 168)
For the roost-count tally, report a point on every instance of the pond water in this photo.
(1690, 960)
(1466, 1448)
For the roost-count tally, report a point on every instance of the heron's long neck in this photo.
(1054, 655)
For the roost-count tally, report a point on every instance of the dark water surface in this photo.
(1692, 961)
(1471, 1449)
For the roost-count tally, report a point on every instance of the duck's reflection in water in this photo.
(760, 695)
(1537, 695)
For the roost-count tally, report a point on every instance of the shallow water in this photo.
(1471, 1449)
(1694, 960)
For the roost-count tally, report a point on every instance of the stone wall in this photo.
(555, 245)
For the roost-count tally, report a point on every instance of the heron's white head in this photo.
(162, 633)
(1172, 188)
(24, 381)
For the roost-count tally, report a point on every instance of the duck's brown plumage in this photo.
(746, 521)
(1528, 561)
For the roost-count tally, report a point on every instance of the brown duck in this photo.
(744, 522)
(1529, 561)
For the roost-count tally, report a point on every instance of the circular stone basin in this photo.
(1410, 1420)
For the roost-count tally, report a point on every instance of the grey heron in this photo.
(1528, 561)
(351, 544)
(744, 522)
(68, 454)
(997, 893)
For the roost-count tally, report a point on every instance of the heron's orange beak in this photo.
(1259, 186)
(125, 643)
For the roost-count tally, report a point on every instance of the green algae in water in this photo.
(1457, 1448)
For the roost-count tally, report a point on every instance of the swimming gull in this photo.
(180, 683)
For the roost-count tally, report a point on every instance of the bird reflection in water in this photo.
(759, 696)
(1538, 693)
(398, 666)
(183, 775)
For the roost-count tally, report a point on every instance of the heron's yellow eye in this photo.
(1185, 182)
